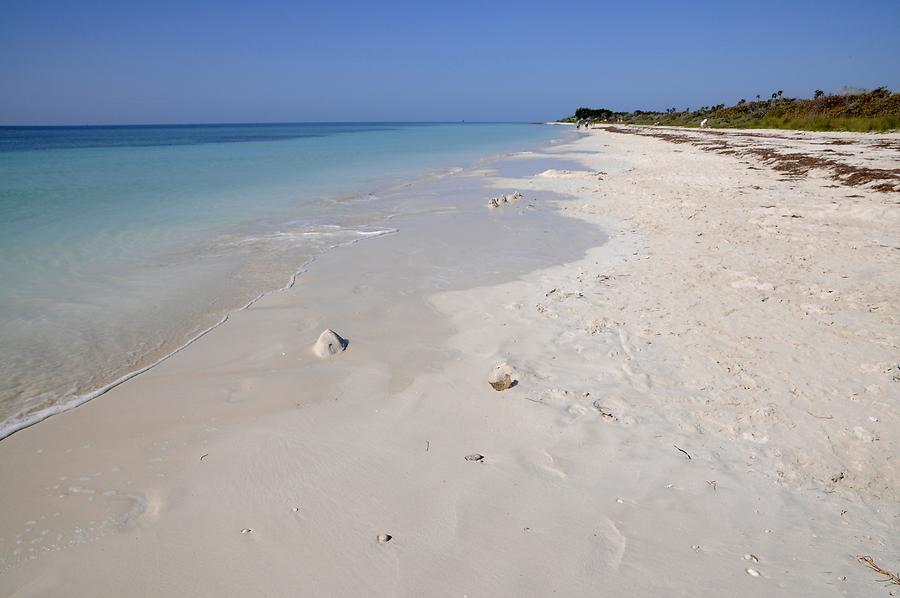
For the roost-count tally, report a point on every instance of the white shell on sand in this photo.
(329, 344)
(503, 376)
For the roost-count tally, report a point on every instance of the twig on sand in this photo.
(686, 454)
(204, 455)
(427, 446)
(871, 564)
(820, 416)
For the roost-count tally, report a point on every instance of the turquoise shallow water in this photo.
(119, 244)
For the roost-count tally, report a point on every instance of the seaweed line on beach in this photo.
(871, 564)
(792, 164)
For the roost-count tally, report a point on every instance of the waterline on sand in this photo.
(115, 256)
(12, 426)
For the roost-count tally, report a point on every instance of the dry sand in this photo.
(705, 405)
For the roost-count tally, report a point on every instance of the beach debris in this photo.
(605, 412)
(751, 557)
(503, 377)
(384, 538)
(696, 547)
(686, 454)
(295, 510)
(713, 484)
(475, 457)
(752, 572)
(246, 530)
(203, 456)
(329, 343)
(496, 202)
(871, 564)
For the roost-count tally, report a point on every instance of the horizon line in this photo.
(244, 123)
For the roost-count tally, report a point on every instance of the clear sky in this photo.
(88, 62)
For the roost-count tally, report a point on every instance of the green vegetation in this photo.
(854, 110)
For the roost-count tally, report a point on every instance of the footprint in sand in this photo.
(609, 544)
(544, 461)
(574, 412)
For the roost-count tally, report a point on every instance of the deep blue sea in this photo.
(119, 244)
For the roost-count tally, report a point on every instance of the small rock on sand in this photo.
(329, 344)
(496, 202)
(384, 538)
(475, 457)
(503, 377)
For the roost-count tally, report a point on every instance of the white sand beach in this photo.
(702, 333)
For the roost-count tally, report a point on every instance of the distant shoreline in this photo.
(869, 111)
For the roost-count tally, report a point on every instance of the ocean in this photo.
(120, 244)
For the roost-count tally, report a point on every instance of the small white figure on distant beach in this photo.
(703, 123)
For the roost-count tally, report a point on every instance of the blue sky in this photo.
(89, 62)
